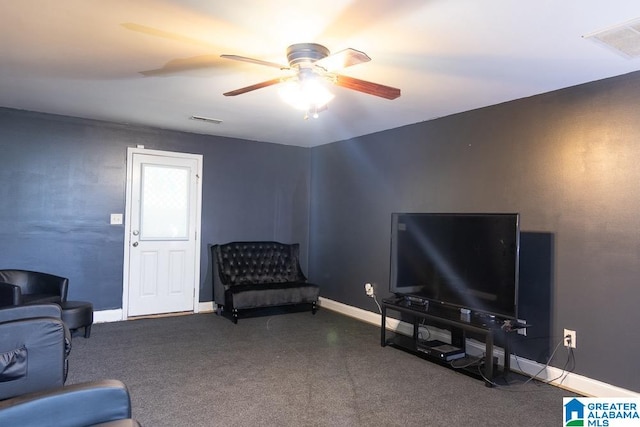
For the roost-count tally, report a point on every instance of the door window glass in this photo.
(164, 213)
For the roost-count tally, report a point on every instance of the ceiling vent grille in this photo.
(623, 38)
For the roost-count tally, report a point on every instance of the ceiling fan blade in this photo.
(343, 59)
(255, 61)
(181, 65)
(252, 87)
(376, 89)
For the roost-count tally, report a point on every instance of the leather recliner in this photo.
(34, 346)
(104, 402)
(10, 294)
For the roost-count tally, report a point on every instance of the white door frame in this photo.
(128, 208)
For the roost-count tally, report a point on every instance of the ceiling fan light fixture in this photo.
(311, 66)
(306, 95)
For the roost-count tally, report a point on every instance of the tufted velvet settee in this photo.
(250, 275)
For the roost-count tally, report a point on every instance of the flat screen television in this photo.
(463, 260)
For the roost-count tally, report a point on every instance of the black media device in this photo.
(461, 260)
(441, 350)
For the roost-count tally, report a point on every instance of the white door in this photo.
(162, 246)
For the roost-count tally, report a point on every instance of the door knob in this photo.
(135, 244)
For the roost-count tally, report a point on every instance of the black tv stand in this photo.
(458, 323)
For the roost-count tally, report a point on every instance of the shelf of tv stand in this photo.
(458, 324)
(467, 365)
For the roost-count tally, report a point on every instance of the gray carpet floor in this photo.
(293, 369)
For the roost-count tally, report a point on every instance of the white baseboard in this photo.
(574, 382)
(105, 316)
(205, 307)
(116, 315)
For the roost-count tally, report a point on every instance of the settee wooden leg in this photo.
(235, 315)
(314, 308)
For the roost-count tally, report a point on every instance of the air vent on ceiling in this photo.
(623, 38)
(206, 119)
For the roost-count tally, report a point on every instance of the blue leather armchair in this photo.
(34, 346)
(10, 294)
(104, 402)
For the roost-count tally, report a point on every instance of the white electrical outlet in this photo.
(569, 338)
(368, 288)
(522, 331)
(116, 219)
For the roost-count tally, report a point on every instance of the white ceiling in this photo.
(76, 58)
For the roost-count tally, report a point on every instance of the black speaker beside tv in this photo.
(460, 260)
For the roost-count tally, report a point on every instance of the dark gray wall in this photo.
(61, 177)
(567, 161)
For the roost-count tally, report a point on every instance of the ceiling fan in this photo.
(310, 64)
